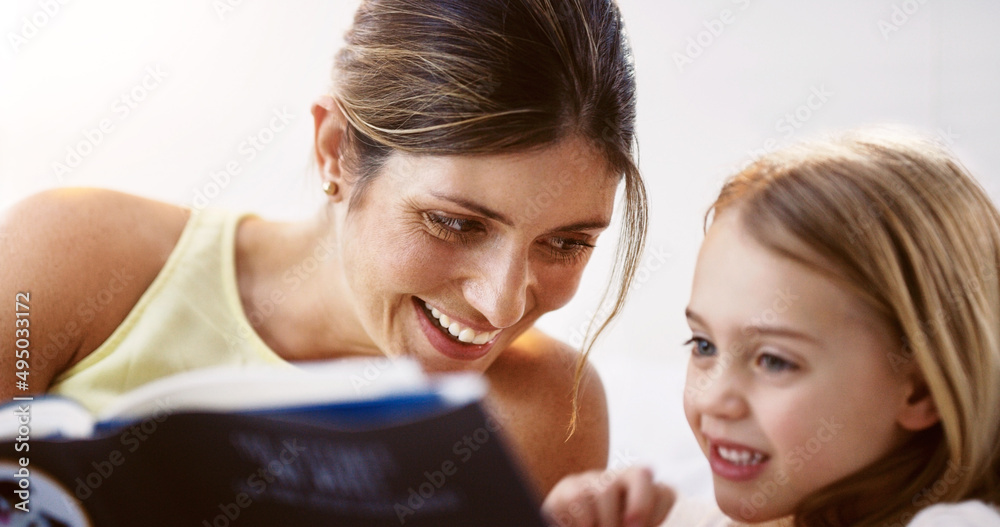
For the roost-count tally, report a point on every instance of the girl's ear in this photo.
(918, 411)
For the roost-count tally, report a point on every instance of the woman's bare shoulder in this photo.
(83, 257)
(535, 356)
(533, 383)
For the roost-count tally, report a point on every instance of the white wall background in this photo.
(718, 79)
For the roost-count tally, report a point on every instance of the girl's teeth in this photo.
(740, 457)
(463, 334)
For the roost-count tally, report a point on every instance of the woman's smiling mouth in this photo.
(456, 329)
(450, 337)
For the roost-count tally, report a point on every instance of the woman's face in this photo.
(450, 258)
(791, 383)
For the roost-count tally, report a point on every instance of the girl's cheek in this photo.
(792, 431)
(692, 383)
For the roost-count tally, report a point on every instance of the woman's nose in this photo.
(498, 287)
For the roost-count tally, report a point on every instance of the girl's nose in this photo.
(717, 392)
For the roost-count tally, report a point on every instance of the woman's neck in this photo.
(293, 290)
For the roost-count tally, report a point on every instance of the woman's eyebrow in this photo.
(585, 225)
(473, 206)
(494, 215)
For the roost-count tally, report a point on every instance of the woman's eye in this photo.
(455, 224)
(775, 364)
(568, 250)
(701, 347)
(448, 227)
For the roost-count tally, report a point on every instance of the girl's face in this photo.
(792, 382)
(450, 258)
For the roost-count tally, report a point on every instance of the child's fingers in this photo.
(608, 502)
(603, 499)
(640, 496)
(664, 502)
(571, 503)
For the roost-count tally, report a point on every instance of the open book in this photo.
(346, 443)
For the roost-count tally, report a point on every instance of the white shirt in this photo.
(689, 513)
(964, 514)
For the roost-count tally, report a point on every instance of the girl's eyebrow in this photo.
(760, 329)
(780, 331)
(691, 315)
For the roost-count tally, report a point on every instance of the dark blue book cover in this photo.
(418, 458)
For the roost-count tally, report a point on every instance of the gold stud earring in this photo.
(330, 188)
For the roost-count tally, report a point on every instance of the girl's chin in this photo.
(754, 505)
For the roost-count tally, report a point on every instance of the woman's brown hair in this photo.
(465, 77)
(900, 222)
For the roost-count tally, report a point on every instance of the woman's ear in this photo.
(330, 126)
(918, 411)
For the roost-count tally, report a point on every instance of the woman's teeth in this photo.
(740, 457)
(462, 333)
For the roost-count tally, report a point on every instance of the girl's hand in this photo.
(607, 499)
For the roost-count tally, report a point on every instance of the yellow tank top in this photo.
(190, 317)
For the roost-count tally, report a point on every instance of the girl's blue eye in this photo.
(775, 364)
(701, 347)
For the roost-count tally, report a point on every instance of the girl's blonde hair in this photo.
(900, 221)
(484, 77)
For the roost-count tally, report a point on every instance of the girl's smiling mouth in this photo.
(736, 462)
(451, 337)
